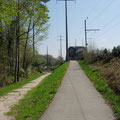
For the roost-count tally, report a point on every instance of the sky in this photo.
(102, 14)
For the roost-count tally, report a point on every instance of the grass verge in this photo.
(103, 88)
(36, 101)
(11, 87)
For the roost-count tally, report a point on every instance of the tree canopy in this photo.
(23, 24)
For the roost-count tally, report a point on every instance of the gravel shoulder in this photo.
(12, 98)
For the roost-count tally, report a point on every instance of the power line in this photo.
(102, 11)
(108, 5)
(109, 22)
(108, 30)
(114, 18)
(93, 8)
(91, 11)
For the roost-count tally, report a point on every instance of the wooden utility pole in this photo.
(66, 20)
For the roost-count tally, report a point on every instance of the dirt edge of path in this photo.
(12, 98)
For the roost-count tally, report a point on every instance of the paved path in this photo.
(77, 99)
(9, 100)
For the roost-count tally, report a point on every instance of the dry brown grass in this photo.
(111, 73)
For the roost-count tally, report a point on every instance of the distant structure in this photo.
(76, 52)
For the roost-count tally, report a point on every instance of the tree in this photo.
(21, 21)
(105, 51)
(28, 10)
(59, 60)
(116, 51)
(7, 11)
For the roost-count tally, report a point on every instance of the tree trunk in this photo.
(24, 59)
(33, 39)
(17, 59)
(1, 39)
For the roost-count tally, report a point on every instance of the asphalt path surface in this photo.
(77, 99)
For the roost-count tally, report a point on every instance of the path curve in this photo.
(77, 99)
(12, 98)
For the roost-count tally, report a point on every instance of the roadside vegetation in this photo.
(108, 62)
(102, 86)
(40, 66)
(103, 69)
(17, 85)
(23, 26)
(36, 101)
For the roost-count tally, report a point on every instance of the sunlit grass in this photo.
(103, 88)
(37, 100)
(11, 87)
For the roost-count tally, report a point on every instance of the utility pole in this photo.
(47, 56)
(86, 33)
(86, 30)
(75, 42)
(60, 45)
(66, 20)
(82, 42)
